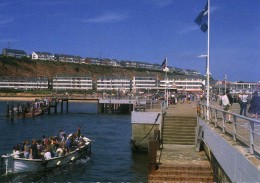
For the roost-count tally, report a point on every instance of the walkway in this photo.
(182, 154)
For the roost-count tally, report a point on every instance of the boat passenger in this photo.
(34, 150)
(16, 151)
(26, 147)
(79, 132)
(47, 154)
(60, 152)
(68, 144)
(61, 132)
(45, 140)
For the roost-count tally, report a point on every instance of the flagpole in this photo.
(208, 60)
(166, 80)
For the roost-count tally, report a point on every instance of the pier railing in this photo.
(242, 129)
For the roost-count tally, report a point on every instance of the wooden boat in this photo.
(15, 164)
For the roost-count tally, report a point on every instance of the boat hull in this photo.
(20, 165)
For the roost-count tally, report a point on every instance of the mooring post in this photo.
(61, 107)
(12, 111)
(7, 110)
(152, 151)
(33, 110)
(55, 107)
(18, 109)
(23, 111)
(67, 109)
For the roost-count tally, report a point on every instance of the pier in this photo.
(183, 146)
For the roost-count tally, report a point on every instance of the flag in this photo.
(164, 64)
(202, 19)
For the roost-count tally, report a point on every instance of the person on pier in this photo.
(227, 102)
(254, 108)
(243, 103)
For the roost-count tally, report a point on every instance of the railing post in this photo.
(251, 130)
(235, 128)
(216, 118)
(223, 122)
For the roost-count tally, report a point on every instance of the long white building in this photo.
(72, 83)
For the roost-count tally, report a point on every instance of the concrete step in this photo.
(180, 173)
(179, 142)
(180, 120)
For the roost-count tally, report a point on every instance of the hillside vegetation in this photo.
(26, 67)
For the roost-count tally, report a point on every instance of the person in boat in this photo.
(68, 145)
(61, 135)
(16, 151)
(60, 151)
(44, 140)
(79, 132)
(47, 154)
(26, 149)
(34, 150)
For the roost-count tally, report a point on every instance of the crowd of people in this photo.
(49, 147)
(244, 100)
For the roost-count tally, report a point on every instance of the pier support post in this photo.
(12, 111)
(152, 151)
(23, 111)
(7, 110)
(55, 107)
(61, 108)
(67, 109)
(18, 109)
(33, 110)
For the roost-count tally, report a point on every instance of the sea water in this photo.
(111, 158)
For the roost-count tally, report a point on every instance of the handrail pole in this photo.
(251, 128)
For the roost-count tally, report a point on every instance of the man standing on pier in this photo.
(243, 103)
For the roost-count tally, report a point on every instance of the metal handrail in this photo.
(242, 129)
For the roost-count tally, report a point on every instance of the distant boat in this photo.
(16, 164)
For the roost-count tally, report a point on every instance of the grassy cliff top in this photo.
(38, 68)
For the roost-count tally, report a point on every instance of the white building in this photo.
(23, 83)
(188, 83)
(116, 84)
(72, 83)
(140, 83)
(42, 56)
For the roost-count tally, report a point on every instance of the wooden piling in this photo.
(61, 108)
(7, 110)
(33, 109)
(12, 111)
(67, 110)
(23, 111)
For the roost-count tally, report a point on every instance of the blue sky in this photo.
(140, 30)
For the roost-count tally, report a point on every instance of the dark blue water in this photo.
(111, 159)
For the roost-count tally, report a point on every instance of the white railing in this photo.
(242, 129)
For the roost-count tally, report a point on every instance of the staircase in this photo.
(184, 173)
(179, 130)
(180, 162)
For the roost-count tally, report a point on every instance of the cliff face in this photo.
(36, 68)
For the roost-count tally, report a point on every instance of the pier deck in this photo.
(181, 162)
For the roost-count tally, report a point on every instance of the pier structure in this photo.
(184, 146)
(109, 105)
(25, 109)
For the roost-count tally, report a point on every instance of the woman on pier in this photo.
(254, 108)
